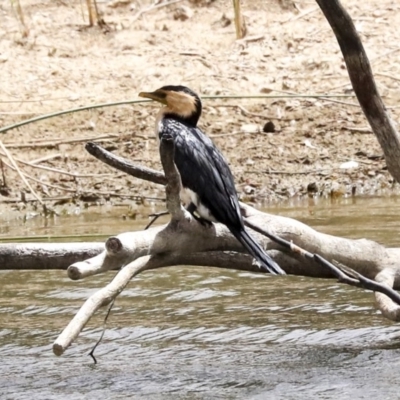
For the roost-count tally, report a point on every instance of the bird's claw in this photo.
(205, 222)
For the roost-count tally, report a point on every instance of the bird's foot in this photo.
(192, 209)
(205, 222)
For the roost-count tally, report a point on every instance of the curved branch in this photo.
(363, 82)
(365, 256)
(123, 165)
(101, 298)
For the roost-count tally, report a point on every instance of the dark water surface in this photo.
(191, 333)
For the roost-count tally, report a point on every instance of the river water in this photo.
(202, 333)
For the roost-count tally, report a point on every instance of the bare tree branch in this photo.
(101, 298)
(125, 166)
(38, 256)
(184, 240)
(363, 82)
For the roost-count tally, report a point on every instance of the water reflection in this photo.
(184, 332)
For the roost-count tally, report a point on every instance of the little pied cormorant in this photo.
(207, 183)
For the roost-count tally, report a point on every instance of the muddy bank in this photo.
(313, 147)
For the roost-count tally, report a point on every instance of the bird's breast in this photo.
(159, 125)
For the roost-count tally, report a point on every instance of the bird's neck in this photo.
(165, 113)
(159, 118)
(168, 113)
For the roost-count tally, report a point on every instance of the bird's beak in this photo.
(158, 95)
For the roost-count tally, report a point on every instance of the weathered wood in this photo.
(363, 82)
(185, 241)
(39, 256)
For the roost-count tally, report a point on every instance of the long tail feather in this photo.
(265, 261)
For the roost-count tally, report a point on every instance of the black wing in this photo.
(204, 170)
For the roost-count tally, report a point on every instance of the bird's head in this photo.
(180, 103)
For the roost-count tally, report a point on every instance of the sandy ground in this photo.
(289, 49)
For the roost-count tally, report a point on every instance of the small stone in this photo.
(349, 165)
(312, 187)
(250, 128)
(249, 161)
(269, 127)
(183, 13)
(225, 21)
(249, 189)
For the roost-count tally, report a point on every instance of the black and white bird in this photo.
(208, 186)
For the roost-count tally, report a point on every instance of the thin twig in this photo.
(32, 178)
(21, 175)
(356, 129)
(380, 57)
(65, 112)
(91, 354)
(322, 97)
(58, 171)
(269, 172)
(57, 142)
(61, 188)
(387, 76)
(46, 158)
(46, 209)
(90, 12)
(127, 102)
(91, 193)
(155, 217)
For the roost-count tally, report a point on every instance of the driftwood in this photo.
(184, 241)
(39, 256)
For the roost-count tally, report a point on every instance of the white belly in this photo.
(188, 196)
(158, 126)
